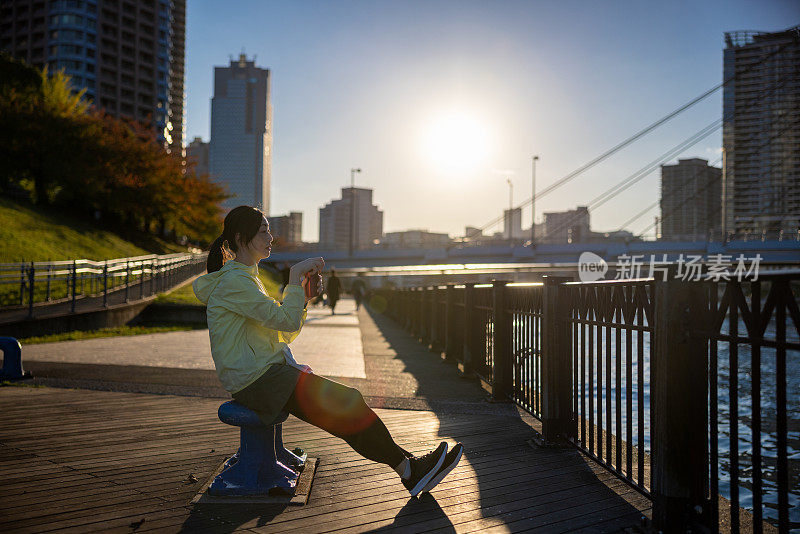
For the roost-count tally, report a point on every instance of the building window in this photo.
(75, 20)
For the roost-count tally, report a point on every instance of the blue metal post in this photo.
(12, 359)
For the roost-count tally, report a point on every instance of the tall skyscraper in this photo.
(197, 153)
(761, 132)
(334, 220)
(128, 55)
(690, 199)
(240, 151)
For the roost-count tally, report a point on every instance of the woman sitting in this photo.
(250, 333)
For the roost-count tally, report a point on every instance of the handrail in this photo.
(40, 283)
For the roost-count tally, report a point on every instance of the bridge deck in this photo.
(95, 460)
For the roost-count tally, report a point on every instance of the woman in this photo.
(250, 333)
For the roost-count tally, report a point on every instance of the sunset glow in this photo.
(456, 141)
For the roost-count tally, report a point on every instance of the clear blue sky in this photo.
(439, 102)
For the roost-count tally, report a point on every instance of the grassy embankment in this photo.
(32, 234)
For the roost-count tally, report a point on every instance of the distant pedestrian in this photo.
(359, 290)
(250, 333)
(334, 288)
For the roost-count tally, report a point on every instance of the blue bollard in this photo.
(262, 464)
(12, 360)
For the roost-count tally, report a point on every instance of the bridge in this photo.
(546, 254)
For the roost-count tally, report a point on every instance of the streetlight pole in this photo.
(352, 209)
(533, 202)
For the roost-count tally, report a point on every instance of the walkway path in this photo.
(330, 344)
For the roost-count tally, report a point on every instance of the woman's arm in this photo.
(242, 295)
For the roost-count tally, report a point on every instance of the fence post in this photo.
(437, 336)
(469, 351)
(127, 280)
(74, 284)
(49, 272)
(22, 283)
(152, 275)
(556, 358)
(501, 343)
(141, 279)
(31, 280)
(450, 323)
(420, 330)
(105, 284)
(679, 389)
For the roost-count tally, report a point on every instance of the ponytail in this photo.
(215, 256)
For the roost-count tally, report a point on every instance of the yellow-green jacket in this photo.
(248, 328)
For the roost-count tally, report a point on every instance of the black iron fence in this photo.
(32, 285)
(688, 391)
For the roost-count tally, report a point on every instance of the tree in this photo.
(86, 160)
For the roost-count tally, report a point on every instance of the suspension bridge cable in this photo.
(642, 173)
(648, 169)
(634, 137)
(712, 182)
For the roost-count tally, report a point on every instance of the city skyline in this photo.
(386, 87)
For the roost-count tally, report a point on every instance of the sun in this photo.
(456, 140)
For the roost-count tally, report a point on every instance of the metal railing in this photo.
(35, 285)
(677, 387)
(611, 339)
(751, 337)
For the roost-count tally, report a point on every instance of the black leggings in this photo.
(341, 411)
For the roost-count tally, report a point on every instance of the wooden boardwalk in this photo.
(83, 461)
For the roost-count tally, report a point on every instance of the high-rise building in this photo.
(128, 55)
(567, 226)
(761, 132)
(197, 153)
(512, 224)
(240, 152)
(287, 229)
(335, 220)
(690, 199)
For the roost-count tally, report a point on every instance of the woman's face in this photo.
(261, 245)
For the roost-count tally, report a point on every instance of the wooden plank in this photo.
(113, 459)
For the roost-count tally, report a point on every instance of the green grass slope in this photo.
(34, 234)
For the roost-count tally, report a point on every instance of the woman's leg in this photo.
(341, 411)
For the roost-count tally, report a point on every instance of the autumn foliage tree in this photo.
(60, 152)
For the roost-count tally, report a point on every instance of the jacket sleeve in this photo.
(243, 296)
(286, 336)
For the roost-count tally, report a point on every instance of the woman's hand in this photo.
(299, 270)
